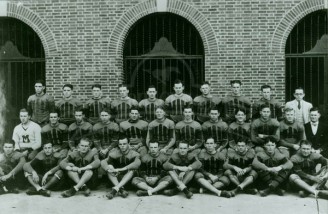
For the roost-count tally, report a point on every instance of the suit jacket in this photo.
(306, 106)
(320, 139)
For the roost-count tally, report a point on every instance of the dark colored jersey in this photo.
(177, 160)
(212, 163)
(94, 107)
(12, 163)
(263, 161)
(275, 107)
(40, 106)
(90, 158)
(152, 166)
(121, 108)
(136, 131)
(57, 135)
(290, 133)
(148, 108)
(217, 130)
(175, 105)
(240, 160)
(106, 135)
(43, 163)
(202, 106)
(67, 109)
(190, 132)
(305, 166)
(230, 103)
(269, 127)
(78, 131)
(238, 131)
(161, 131)
(130, 159)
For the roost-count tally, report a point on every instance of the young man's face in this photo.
(123, 145)
(187, 113)
(270, 147)
(183, 149)
(240, 116)
(265, 113)
(314, 116)
(96, 92)
(160, 114)
(210, 145)
(8, 148)
(153, 148)
(47, 148)
(299, 94)
(67, 92)
(178, 88)
(123, 92)
(266, 93)
(134, 115)
(235, 87)
(53, 118)
(306, 150)
(39, 88)
(241, 147)
(205, 89)
(84, 146)
(24, 117)
(104, 116)
(214, 115)
(151, 93)
(290, 116)
(78, 116)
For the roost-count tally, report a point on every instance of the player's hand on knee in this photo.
(35, 177)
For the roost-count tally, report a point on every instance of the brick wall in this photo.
(243, 39)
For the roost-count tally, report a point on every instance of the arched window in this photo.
(159, 49)
(22, 61)
(307, 59)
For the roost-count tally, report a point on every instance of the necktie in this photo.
(299, 104)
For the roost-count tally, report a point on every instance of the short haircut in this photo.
(152, 86)
(242, 139)
(305, 142)
(177, 81)
(106, 110)
(235, 81)
(205, 83)
(55, 111)
(87, 140)
(299, 88)
(242, 109)
(270, 139)
(96, 86)
(263, 106)
(24, 110)
(288, 110)
(214, 109)
(123, 137)
(68, 85)
(315, 109)
(80, 109)
(183, 141)
(210, 138)
(42, 82)
(153, 141)
(160, 107)
(265, 86)
(46, 142)
(123, 85)
(11, 141)
(187, 107)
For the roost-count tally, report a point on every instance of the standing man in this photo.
(176, 102)
(81, 167)
(136, 130)
(120, 167)
(239, 129)
(11, 165)
(205, 102)
(275, 105)
(316, 132)
(40, 104)
(152, 176)
(189, 131)
(27, 135)
(301, 107)
(148, 106)
(56, 133)
(235, 100)
(67, 105)
(161, 130)
(94, 105)
(106, 134)
(217, 129)
(181, 167)
(121, 106)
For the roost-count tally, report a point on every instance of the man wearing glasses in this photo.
(301, 107)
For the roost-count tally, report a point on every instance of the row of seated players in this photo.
(213, 171)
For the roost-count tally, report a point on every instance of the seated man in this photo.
(181, 166)
(81, 167)
(56, 133)
(239, 129)
(11, 165)
(43, 172)
(239, 167)
(120, 167)
(152, 176)
(273, 167)
(210, 175)
(304, 174)
(136, 130)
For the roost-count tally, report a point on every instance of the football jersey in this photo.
(153, 165)
(202, 106)
(175, 105)
(148, 108)
(212, 163)
(190, 132)
(161, 131)
(218, 130)
(94, 107)
(190, 159)
(136, 131)
(238, 131)
(40, 106)
(12, 163)
(275, 107)
(291, 133)
(130, 159)
(78, 131)
(106, 135)
(67, 109)
(90, 158)
(240, 160)
(57, 135)
(307, 165)
(43, 163)
(121, 108)
(263, 160)
(269, 127)
(231, 103)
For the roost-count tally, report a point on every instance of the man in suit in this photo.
(315, 132)
(301, 107)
